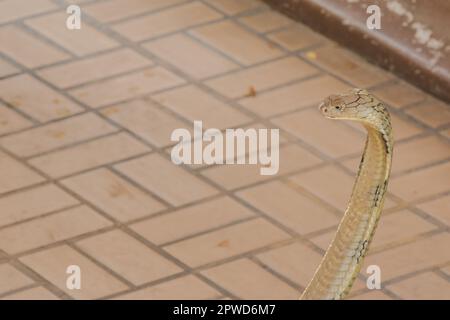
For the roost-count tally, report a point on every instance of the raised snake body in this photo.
(336, 273)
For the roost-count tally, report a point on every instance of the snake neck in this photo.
(343, 259)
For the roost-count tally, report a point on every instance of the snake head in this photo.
(357, 105)
(345, 106)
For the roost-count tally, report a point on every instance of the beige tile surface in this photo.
(113, 195)
(49, 229)
(187, 287)
(34, 202)
(426, 286)
(128, 257)
(146, 120)
(53, 263)
(193, 103)
(12, 279)
(294, 96)
(247, 280)
(17, 44)
(226, 242)
(11, 10)
(171, 183)
(190, 56)
(38, 293)
(86, 178)
(192, 220)
(11, 120)
(126, 87)
(91, 154)
(282, 71)
(94, 68)
(243, 46)
(56, 135)
(289, 207)
(119, 9)
(15, 174)
(84, 41)
(295, 38)
(36, 98)
(266, 21)
(169, 20)
(6, 68)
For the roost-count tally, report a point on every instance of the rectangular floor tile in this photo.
(33, 202)
(53, 228)
(432, 149)
(238, 84)
(113, 194)
(399, 95)
(125, 87)
(190, 56)
(15, 9)
(94, 68)
(227, 242)
(412, 257)
(266, 21)
(330, 137)
(296, 38)
(128, 257)
(438, 208)
(80, 42)
(53, 263)
(330, 183)
(244, 46)
(37, 293)
(56, 134)
(371, 295)
(347, 65)
(11, 121)
(16, 175)
(193, 103)
(108, 11)
(289, 207)
(165, 179)
(301, 94)
(296, 262)
(233, 176)
(176, 290)
(7, 68)
(36, 99)
(191, 220)
(432, 112)
(422, 183)
(17, 44)
(12, 279)
(169, 20)
(233, 7)
(425, 286)
(146, 120)
(247, 280)
(90, 154)
(400, 226)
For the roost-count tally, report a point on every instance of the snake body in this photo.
(340, 266)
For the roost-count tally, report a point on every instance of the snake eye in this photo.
(338, 108)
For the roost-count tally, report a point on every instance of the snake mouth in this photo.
(324, 108)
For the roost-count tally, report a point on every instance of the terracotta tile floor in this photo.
(86, 177)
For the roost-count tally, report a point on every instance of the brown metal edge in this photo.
(363, 43)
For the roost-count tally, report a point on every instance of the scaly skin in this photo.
(336, 273)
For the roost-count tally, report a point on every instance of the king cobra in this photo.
(340, 266)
